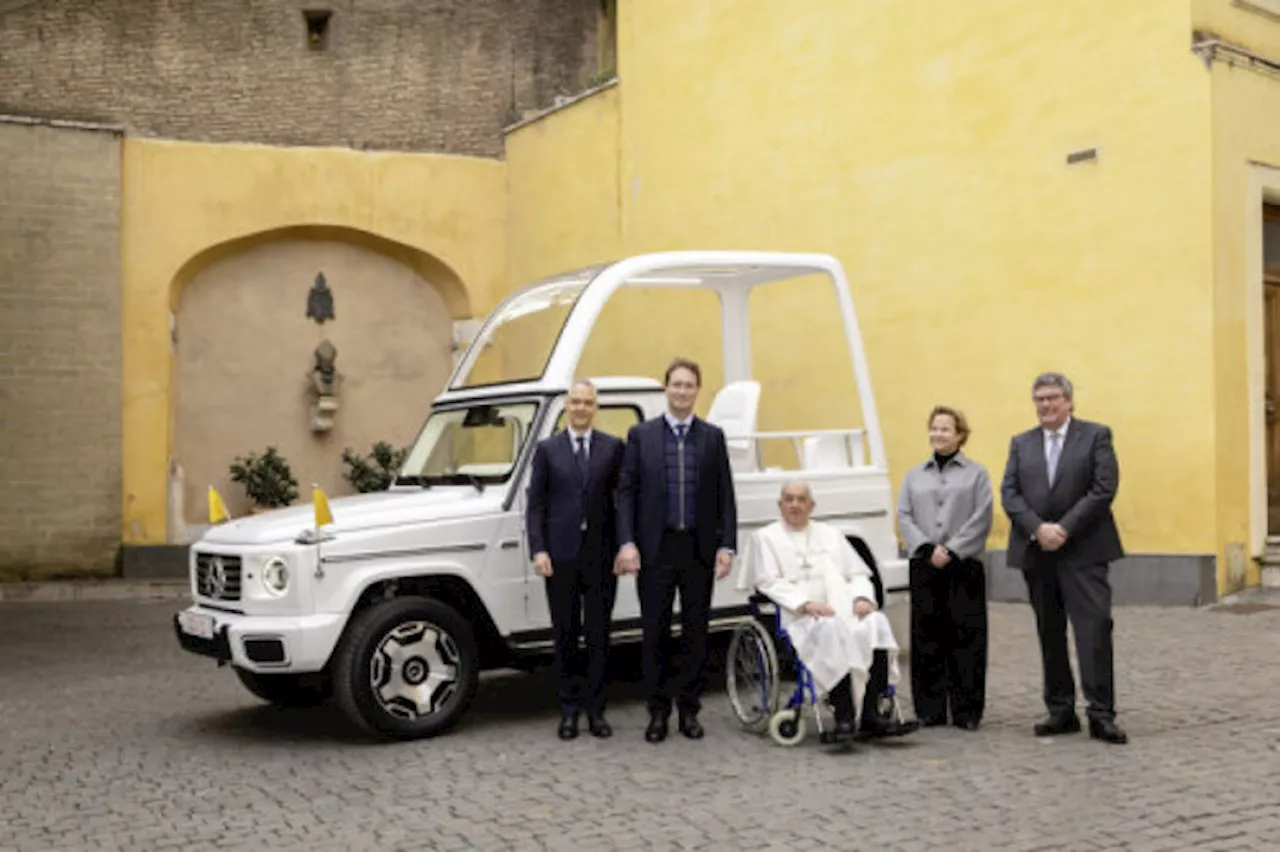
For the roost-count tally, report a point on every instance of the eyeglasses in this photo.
(1047, 398)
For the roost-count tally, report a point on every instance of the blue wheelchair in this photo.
(755, 673)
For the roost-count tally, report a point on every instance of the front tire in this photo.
(287, 690)
(406, 669)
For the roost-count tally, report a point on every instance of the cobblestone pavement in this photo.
(114, 739)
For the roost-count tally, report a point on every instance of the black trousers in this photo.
(677, 568)
(877, 683)
(1082, 594)
(580, 596)
(948, 640)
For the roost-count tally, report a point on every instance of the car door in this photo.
(615, 417)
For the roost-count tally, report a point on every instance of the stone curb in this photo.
(67, 591)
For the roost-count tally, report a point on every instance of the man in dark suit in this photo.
(570, 522)
(1058, 486)
(678, 524)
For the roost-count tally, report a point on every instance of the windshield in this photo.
(518, 340)
(475, 445)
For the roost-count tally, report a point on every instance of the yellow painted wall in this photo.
(1246, 130)
(186, 204)
(924, 145)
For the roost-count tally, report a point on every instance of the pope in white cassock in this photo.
(828, 608)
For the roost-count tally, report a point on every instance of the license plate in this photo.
(195, 624)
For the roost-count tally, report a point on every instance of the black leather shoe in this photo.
(933, 721)
(967, 724)
(689, 726)
(882, 728)
(599, 727)
(657, 730)
(568, 726)
(1107, 731)
(1058, 726)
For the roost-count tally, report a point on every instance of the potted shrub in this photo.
(375, 471)
(267, 480)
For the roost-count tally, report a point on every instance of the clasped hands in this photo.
(1050, 537)
(628, 562)
(861, 608)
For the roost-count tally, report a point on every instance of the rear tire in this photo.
(406, 669)
(288, 690)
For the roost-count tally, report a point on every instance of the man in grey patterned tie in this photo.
(1059, 482)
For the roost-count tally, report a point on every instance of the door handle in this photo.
(1271, 408)
(510, 543)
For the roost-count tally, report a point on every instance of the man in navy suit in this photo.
(570, 522)
(678, 524)
(1059, 482)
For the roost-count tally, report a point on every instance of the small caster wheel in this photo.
(787, 728)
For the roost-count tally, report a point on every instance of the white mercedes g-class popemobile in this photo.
(395, 607)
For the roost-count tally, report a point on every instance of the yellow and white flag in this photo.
(217, 509)
(323, 515)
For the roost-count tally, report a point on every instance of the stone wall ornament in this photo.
(320, 300)
(324, 379)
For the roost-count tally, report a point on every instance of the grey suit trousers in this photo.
(1082, 594)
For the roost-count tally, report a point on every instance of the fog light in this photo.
(275, 576)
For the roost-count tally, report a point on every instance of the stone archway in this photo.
(244, 349)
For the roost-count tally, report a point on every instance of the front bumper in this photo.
(261, 643)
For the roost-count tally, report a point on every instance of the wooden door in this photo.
(1271, 319)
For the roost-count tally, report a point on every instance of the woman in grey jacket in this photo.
(944, 515)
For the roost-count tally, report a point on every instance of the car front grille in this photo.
(218, 577)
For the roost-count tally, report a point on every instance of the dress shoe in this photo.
(1107, 731)
(568, 726)
(1058, 726)
(657, 730)
(881, 728)
(967, 724)
(599, 727)
(933, 721)
(689, 726)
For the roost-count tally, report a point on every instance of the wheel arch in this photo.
(452, 590)
(863, 550)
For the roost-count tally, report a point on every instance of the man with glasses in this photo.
(1059, 482)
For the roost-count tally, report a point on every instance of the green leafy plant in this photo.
(375, 471)
(601, 77)
(267, 479)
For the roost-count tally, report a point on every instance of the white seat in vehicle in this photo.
(734, 410)
(825, 452)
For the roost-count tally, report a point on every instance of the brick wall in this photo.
(60, 427)
(428, 75)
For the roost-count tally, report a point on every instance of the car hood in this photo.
(359, 512)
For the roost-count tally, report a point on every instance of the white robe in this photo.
(792, 567)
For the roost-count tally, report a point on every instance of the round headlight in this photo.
(275, 576)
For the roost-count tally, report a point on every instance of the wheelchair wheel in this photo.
(787, 727)
(752, 677)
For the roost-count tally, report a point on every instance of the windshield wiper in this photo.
(427, 480)
(420, 481)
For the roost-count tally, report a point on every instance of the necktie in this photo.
(680, 427)
(581, 457)
(1055, 451)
